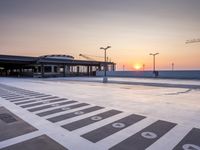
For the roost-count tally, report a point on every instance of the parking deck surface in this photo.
(73, 115)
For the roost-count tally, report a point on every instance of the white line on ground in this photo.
(116, 138)
(51, 108)
(82, 116)
(19, 139)
(101, 123)
(67, 112)
(171, 138)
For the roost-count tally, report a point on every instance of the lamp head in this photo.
(108, 47)
(153, 54)
(105, 48)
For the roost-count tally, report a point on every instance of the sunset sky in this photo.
(134, 28)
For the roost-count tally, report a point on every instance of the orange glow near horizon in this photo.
(137, 66)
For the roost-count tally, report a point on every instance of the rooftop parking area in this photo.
(85, 114)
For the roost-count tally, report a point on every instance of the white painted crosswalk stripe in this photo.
(18, 139)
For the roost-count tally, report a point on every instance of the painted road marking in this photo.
(79, 112)
(41, 96)
(49, 106)
(191, 147)
(145, 137)
(96, 118)
(12, 126)
(17, 97)
(86, 121)
(118, 125)
(191, 141)
(188, 144)
(42, 142)
(61, 109)
(149, 135)
(10, 97)
(25, 102)
(107, 130)
(40, 103)
(74, 114)
(53, 97)
(21, 99)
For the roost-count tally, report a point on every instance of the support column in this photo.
(64, 70)
(20, 72)
(114, 67)
(52, 69)
(88, 70)
(42, 70)
(6, 72)
(68, 70)
(78, 70)
(91, 71)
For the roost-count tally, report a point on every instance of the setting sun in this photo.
(137, 66)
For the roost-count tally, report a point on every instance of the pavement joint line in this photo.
(19, 139)
(147, 82)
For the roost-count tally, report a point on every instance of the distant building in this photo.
(50, 66)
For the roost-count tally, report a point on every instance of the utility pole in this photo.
(123, 67)
(105, 79)
(143, 67)
(172, 66)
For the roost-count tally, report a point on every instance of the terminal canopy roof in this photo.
(10, 60)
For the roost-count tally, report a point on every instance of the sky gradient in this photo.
(133, 28)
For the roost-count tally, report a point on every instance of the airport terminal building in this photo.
(50, 66)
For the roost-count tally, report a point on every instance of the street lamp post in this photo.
(105, 79)
(143, 67)
(154, 62)
(172, 66)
